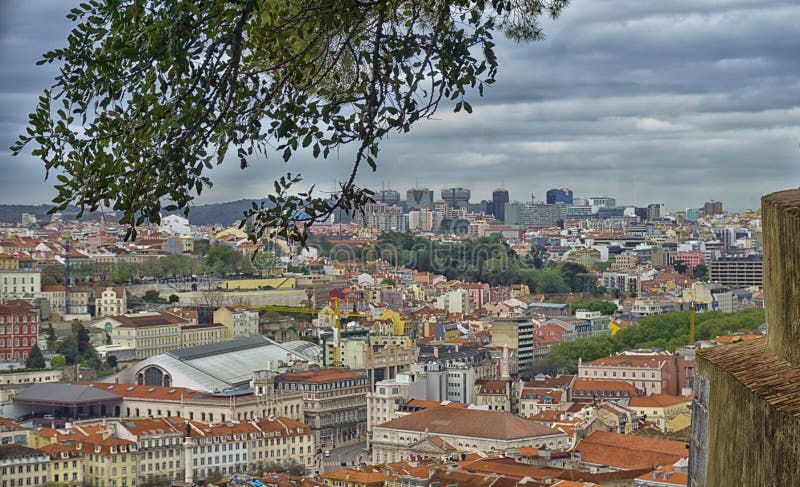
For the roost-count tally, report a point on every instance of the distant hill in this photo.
(13, 213)
(210, 214)
(219, 213)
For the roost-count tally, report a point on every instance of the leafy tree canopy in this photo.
(486, 259)
(35, 359)
(152, 94)
(605, 307)
(668, 331)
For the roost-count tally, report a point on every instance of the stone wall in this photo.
(746, 421)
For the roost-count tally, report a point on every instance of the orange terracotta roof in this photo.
(357, 476)
(631, 361)
(605, 385)
(492, 386)
(658, 401)
(630, 451)
(160, 319)
(569, 483)
(55, 450)
(147, 392)
(472, 423)
(514, 470)
(666, 475)
(737, 337)
(8, 424)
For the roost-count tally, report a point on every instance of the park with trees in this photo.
(668, 331)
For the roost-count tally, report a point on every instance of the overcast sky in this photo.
(671, 102)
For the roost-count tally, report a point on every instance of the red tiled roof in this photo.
(631, 361)
(666, 475)
(658, 401)
(160, 319)
(514, 470)
(630, 451)
(604, 385)
(147, 392)
(471, 423)
(357, 476)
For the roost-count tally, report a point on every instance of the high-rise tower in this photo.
(499, 200)
(456, 197)
(556, 196)
(419, 199)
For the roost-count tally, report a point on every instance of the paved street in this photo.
(350, 454)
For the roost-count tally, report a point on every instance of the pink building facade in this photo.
(650, 373)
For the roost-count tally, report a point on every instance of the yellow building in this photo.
(148, 333)
(110, 301)
(239, 322)
(13, 433)
(23, 466)
(380, 357)
(8, 262)
(187, 243)
(203, 334)
(109, 461)
(518, 290)
(66, 464)
(401, 326)
(666, 412)
(233, 232)
(617, 418)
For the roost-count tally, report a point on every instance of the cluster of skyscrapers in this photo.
(421, 211)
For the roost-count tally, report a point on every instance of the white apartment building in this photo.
(19, 283)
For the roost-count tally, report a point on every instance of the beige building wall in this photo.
(192, 336)
(19, 283)
(109, 301)
(148, 340)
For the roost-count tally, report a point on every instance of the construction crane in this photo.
(692, 312)
(337, 328)
(337, 325)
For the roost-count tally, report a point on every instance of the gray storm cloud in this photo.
(675, 103)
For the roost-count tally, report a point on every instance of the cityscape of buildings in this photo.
(132, 363)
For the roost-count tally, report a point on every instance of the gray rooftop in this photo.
(63, 393)
(236, 344)
(226, 365)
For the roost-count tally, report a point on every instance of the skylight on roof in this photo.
(131, 388)
(151, 389)
(171, 391)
